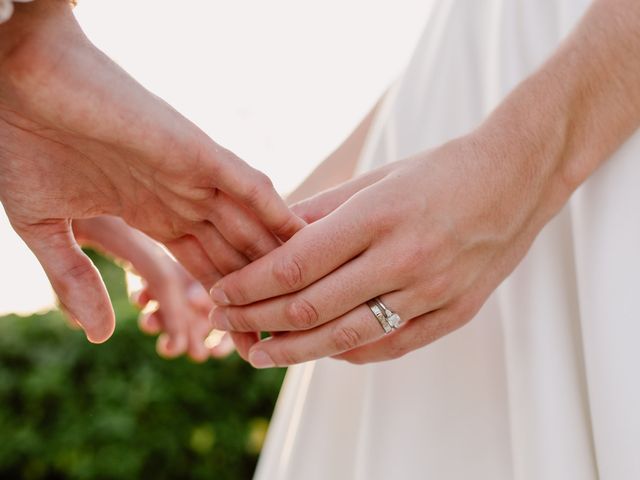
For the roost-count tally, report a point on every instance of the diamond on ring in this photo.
(394, 320)
(387, 319)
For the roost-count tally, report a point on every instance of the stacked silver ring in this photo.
(388, 320)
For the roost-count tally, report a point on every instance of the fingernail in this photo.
(260, 359)
(220, 320)
(218, 296)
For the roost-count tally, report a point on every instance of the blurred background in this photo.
(281, 83)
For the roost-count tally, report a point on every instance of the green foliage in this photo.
(69, 409)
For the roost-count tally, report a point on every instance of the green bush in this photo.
(69, 409)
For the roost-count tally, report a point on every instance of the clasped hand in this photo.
(80, 138)
(432, 236)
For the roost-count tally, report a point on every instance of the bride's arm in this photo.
(435, 234)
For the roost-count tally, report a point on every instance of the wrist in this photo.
(531, 139)
(42, 22)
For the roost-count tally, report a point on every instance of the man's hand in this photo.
(174, 305)
(80, 138)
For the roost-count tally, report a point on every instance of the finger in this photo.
(150, 323)
(311, 254)
(170, 347)
(354, 329)
(74, 278)
(189, 252)
(224, 348)
(199, 298)
(176, 320)
(224, 257)
(198, 332)
(214, 338)
(241, 228)
(322, 204)
(244, 342)
(140, 298)
(254, 189)
(419, 332)
(69, 320)
(328, 298)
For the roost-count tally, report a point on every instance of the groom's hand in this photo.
(79, 138)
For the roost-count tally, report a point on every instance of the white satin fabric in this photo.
(545, 382)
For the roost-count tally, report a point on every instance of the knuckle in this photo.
(301, 314)
(79, 271)
(286, 356)
(441, 243)
(259, 189)
(234, 290)
(288, 227)
(206, 278)
(238, 319)
(288, 273)
(345, 338)
(438, 288)
(385, 219)
(254, 250)
(405, 263)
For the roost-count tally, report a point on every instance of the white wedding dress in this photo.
(545, 382)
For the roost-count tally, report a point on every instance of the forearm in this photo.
(338, 167)
(566, 119)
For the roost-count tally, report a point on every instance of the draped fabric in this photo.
(544, 383)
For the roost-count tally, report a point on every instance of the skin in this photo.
(181, 316)
(79, 138)
(337, 168)
(435, 234)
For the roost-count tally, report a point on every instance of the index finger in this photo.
(255, 190)
(312, 253)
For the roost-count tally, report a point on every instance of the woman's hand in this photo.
(173, 303)
(432, 236)
(80, 138)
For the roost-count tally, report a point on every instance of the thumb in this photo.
(73, 276)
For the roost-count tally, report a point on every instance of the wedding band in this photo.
(380, 316)
(393, 318)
